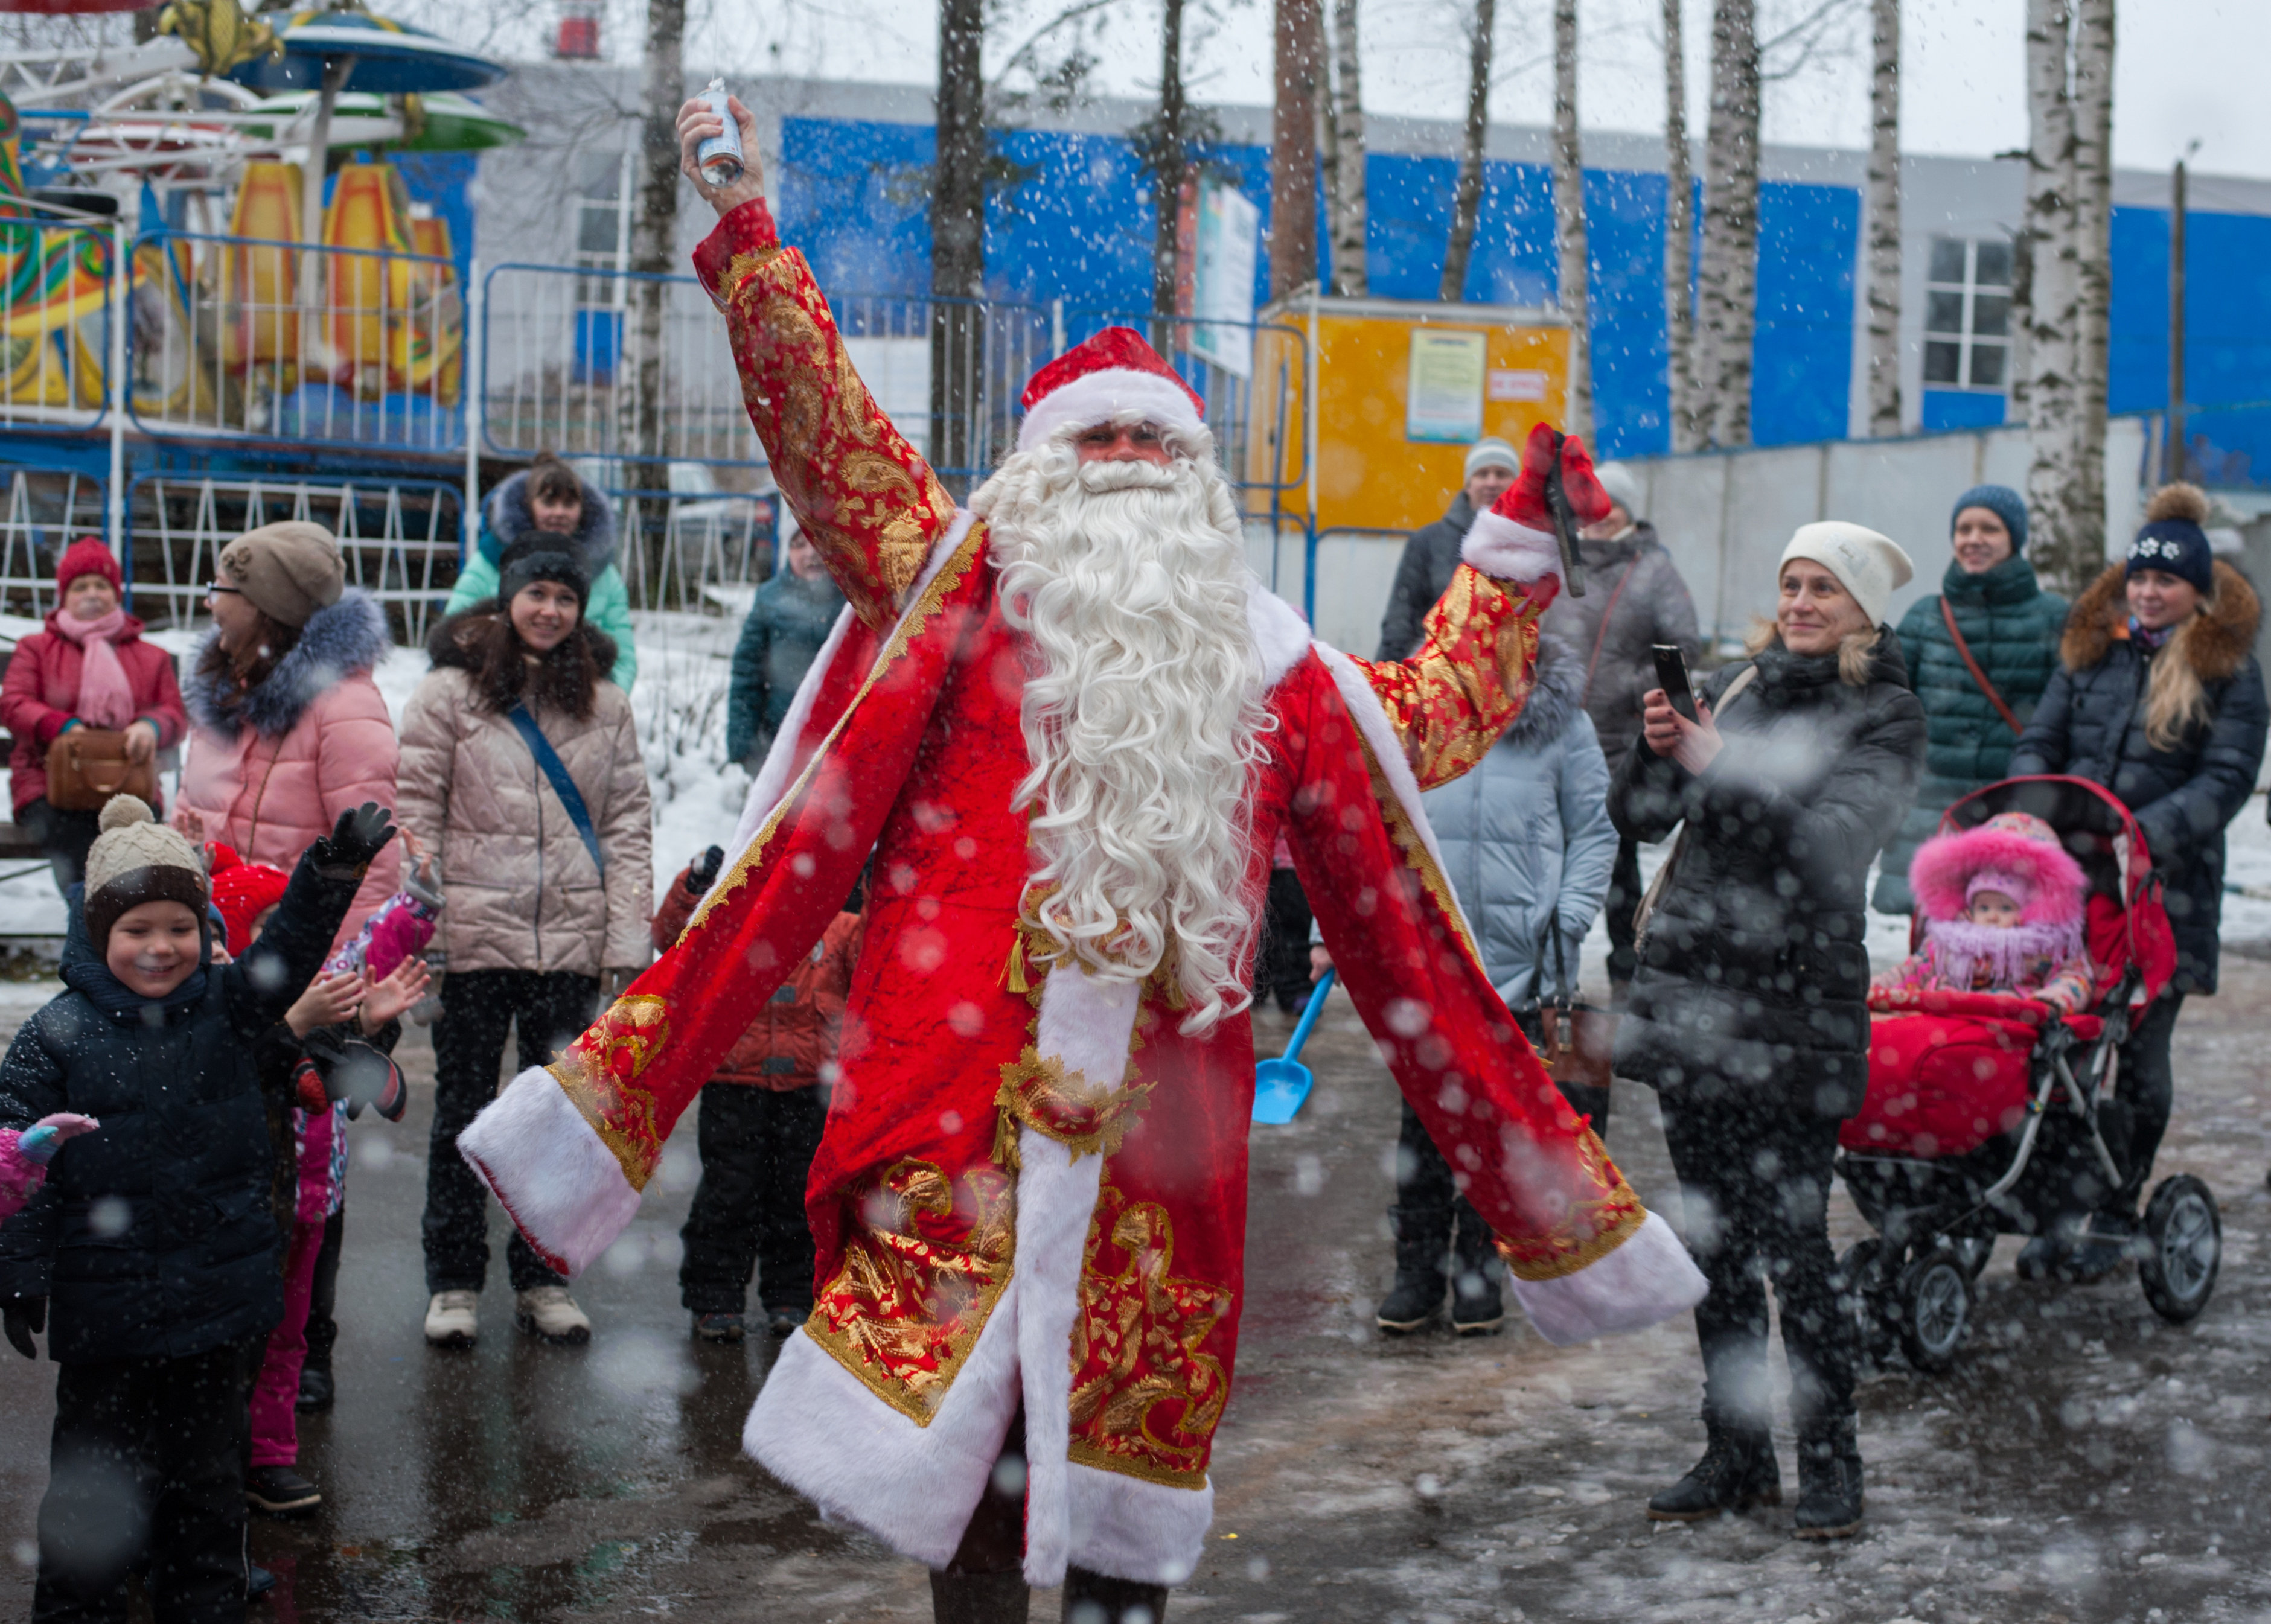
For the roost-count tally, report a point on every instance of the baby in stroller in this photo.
(2003, 912)
(1994, 1099)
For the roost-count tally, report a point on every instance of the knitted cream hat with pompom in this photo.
(137, 859)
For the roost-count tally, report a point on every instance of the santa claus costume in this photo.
(1070, 726)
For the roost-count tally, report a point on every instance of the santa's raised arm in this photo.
(1068, 724)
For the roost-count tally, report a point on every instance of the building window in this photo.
(1967, 315)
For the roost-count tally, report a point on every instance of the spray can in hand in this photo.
(721, 156)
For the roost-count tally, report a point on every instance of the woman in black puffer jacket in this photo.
(1747, 1012)
(2158, 698)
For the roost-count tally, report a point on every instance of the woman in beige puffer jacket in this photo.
(532, 921)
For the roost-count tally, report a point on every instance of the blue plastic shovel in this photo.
(1281, 1086)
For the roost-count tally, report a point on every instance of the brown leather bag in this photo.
(87, 766)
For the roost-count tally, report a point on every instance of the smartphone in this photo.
(1671, 677)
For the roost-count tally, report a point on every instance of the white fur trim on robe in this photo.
(1499, 547)
(567, 1190)
(1649, 1278)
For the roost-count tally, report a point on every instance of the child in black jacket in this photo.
(153, 1241)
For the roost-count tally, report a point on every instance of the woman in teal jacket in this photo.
(2012, 627)
(549, 495)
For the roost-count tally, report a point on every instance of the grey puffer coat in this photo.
(2091, 724)
(1754, 969)
(523, 893)
(1526, 836)
(1431, 558)
(1652, 606)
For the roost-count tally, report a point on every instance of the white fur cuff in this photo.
(1506, 551)
(1649, 1278)
(555, 1177)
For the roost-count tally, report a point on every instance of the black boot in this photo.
(1475, 1307)
(316, 1388)
(1093, 1599)
(979, 1598)
(1829, 1479)
(1422, 1239)
(1738, 1471)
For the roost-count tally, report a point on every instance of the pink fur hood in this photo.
(2014, 844)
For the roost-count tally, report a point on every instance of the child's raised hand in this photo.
(389, 999)
(329, 1000)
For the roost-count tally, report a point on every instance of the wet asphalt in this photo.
(2084, 1462)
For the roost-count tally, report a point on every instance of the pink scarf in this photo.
(105, 699)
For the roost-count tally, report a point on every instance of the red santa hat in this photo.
(1096, 380)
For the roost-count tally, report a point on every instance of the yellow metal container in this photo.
(1401, 390)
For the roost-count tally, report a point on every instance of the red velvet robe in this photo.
(1033, 1185)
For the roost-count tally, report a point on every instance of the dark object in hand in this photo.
(25, 1317)
(1671, 677)
(354, 840)
(704, 873)
(357, 1074)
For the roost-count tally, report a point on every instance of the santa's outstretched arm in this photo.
(1472, 673)
(1586, 1257)
(865, 498)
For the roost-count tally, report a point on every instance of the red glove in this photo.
(307, 1086)
(1524, 501)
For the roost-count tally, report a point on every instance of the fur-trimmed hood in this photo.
(2012, 843)
(2215, 642)
(341, 640)
(510, 519)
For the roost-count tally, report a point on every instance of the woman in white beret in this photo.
(1748, 1013)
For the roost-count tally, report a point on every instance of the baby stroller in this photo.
(1986, 1114)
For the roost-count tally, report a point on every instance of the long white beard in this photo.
(1145, 718)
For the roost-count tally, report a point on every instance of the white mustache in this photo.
(1127, 475)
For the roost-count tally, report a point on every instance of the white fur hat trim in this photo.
(1098, 397)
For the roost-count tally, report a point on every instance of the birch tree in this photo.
(653, 238)
(1344, 155)
(2066, 286)
(1569, 220)
(1169, 162)
(1679, 234)
(1727, 285)
(1467, 199)
(1884, 252)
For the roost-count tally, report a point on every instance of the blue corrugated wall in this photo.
(1079, 229)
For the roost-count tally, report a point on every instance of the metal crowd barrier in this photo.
(46, 511)
(400, 538)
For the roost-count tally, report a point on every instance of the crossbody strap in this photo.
(555, 770)
(1972, 665)
(1601, 633)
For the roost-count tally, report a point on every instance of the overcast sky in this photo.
(2187, 69)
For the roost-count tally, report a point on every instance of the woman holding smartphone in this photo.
(1747, 1012)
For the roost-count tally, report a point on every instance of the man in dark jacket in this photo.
(1634, 598)
(1431, 558)
(789, 621)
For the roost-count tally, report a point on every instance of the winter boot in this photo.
(1093, 1599)
(317, 1390)
(979, 1598)
(1829, 1479)
(549, 1312)
(1738, 1471)
(1422, 1239)
(1476, 1309)
(280, 1491)
(721, 1327)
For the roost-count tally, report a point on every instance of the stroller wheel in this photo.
(1935, 1306)
(1861, 1290)
(2183, 1246)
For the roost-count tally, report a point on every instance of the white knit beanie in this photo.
(1623, 486)
(1870, 567)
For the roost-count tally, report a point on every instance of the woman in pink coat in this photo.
(89, 668)
(286, 728)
